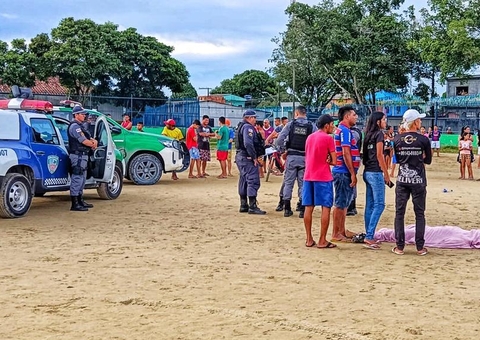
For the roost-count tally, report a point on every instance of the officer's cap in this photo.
(77, 109)
(249, 113)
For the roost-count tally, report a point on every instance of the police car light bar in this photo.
(25, 104)
(70, 103)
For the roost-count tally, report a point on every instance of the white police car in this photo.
(34, 157)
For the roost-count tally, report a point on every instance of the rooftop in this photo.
(50, 87)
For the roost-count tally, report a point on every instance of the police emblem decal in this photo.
(52, 163)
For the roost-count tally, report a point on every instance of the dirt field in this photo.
(177, 261)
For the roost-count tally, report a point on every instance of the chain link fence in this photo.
(449, 114)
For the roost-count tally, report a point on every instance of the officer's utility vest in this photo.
(258, 143)
(73, 144)
(239, 137)
(297, 137)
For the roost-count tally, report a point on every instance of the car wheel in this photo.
(111, 191)
(145, 169)
(15, 196)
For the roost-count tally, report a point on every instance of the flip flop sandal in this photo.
(397, 251)
(422, 252)
(343, 240)
(329, 245)
(372, 246)
(312, 245)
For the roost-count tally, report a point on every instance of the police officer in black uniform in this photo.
(292, 139)
(80, 143)
(249, 147)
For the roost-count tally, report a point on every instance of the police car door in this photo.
(104, 155)
(51, 154)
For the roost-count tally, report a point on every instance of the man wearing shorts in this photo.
(204, 133)
(192, 146)
(318, 180)
(230, 144)
(345, 170)
(223, 136)
(435, 143)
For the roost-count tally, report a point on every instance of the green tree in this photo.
(146, 67)
(188, 91)
(227, 86)
(448, 40)
(39, 46)
(354, 47)
(83, 53)
(423, 91)
(251, 82)
(297, 53)
(100, 59)
(17, 64)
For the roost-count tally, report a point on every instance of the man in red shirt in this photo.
(318, 179)
(192, 146)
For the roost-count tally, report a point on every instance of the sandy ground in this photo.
(177, 261)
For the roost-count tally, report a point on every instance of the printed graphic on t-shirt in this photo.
(206, 130)
(411, 149)
(409, 176)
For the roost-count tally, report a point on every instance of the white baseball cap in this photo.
(411, 115)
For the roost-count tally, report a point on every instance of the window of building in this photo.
(462, 90)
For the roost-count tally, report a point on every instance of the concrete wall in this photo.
(473, 85)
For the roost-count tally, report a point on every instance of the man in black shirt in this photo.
(412, 151)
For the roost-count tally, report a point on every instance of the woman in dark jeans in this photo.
(412, 151)
(375, 175)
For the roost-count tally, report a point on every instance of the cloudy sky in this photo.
(215, 39)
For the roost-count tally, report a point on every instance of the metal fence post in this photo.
(131, 106)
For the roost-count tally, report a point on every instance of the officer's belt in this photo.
(244, 153)
(291, 152)
(80, 153)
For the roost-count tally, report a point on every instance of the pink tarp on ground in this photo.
(436, 237)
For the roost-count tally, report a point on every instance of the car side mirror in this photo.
(116, 130)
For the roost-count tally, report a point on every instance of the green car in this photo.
(147, 155)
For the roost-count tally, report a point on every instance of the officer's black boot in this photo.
(280, 204)
(253, 208)
(288, 209)
(243, 204)
(299, 205)
(352, 208)
(76, 206)
(83, 203)
(302, 212)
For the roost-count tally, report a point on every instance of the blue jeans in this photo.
(374, 201)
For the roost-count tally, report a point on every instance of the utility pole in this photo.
(206, 88)
(293, 61)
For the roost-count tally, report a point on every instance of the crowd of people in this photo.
(325, 168)
(310, 152)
